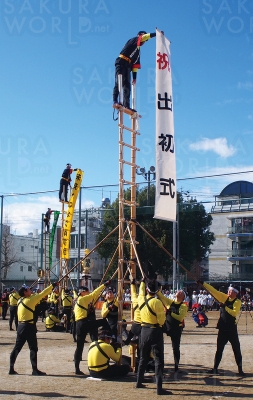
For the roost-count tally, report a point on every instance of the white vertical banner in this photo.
(166, 193)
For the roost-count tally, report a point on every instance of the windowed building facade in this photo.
(231, 255)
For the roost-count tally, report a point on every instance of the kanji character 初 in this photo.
(163, 61)
(167, 142)
(167, 185)
(167, 102)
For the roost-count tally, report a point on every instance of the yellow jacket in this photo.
(222, 297)
(50, 321)
(167, 302)
(97, 361)
(13, 298)
(134, 298)
(81, 306)
(152, 312)
(26, 305)
(66, 299)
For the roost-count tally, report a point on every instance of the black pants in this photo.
(112, 372)
(175, 336)
(122, 67)
(25, 333)
(63, 190)
(83, 327)
(67, 311)
(46, 222)
(5, 306)
(222, 339)
(134, 331)
(151, 339)
(13, 316)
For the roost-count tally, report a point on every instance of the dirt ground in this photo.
(198, 346)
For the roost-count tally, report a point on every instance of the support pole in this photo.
(1, 239)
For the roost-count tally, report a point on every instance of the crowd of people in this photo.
(156, 312)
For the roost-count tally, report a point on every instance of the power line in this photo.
(115, 185)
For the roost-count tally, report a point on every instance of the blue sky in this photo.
(57, 75)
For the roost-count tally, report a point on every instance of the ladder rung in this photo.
(129, 129)
(129, 163)
(129, 241)
(130, 203)
(129, 145)
(129, 183)
(126, 110)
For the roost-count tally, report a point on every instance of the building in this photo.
(231, 256)
(23, 257)
(90, 222)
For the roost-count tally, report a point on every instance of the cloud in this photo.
(245, 85)
(218, 146)
(25, 215)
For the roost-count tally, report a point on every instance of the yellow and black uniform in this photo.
(176, 312)
(136, 325)
(83, 324)
(129, 60)
(13, 299)
(110, 312)
(152, 321)
(227, 326)
(26, 331)
(54, 301)
(52, 323)
(67, 302)
(99, 355)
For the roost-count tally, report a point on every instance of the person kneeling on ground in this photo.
(52, 322)
(99, 354)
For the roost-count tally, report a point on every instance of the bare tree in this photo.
(8, 251)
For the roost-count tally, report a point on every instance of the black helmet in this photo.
(141, 33)
(105, 334)
(153, 286)
(83, 289)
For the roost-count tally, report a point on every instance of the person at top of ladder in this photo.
(65, 182)
(129, 60)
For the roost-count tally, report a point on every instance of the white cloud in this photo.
(24, 215)
(218, 146)
(245, 85)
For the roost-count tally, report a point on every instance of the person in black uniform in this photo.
(47, 219)
(65, 182)
(26, 331)
(227, 326)
(5, 303)
(129, 60)
(13, 299)
(67, 302)
(153, 318)
(176, 312)
(83, 324)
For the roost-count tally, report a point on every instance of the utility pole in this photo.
(147, 175)
(1, 238)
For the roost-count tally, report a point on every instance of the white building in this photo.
(231, 255)
(28, 254)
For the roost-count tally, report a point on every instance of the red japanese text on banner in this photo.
(166, 194)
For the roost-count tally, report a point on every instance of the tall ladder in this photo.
(46, 259)
(63, 261)
(122, 201)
